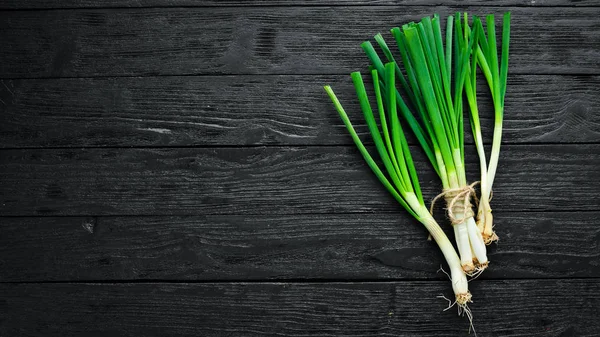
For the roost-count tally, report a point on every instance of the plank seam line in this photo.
(298, 281)
(143, 76)
(254, 146)
(8, 9)
(184, 215)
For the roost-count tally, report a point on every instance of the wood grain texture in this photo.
(48, 4)
(258, 110)
(502, 308)
(294, 247)
(272, 180)
(271, 40)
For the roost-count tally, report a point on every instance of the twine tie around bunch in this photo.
(458, 199)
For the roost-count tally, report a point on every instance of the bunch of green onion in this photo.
(437, 111)
(436, 77)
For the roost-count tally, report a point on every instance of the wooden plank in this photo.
(315, 247)
(257, 110)
(53, 4)
(253, 40)
(272, 180)
(501, 308)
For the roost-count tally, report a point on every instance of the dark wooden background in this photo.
(173, 168)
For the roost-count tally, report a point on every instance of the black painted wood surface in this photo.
(270, 180)
(54, 4)
(173, 168)
(382, 246)
(408, 308)
(257, 40)
(257, 110)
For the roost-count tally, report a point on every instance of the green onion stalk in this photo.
(496, 76)
(435, 115)
(401, 179)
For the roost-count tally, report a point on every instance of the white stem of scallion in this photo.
(477, 244)
(460, 286)
(485, 211)
(461, 235)
(496, 142)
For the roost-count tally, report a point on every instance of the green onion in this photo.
(496, 76)
(436, 112)
(399, 176)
